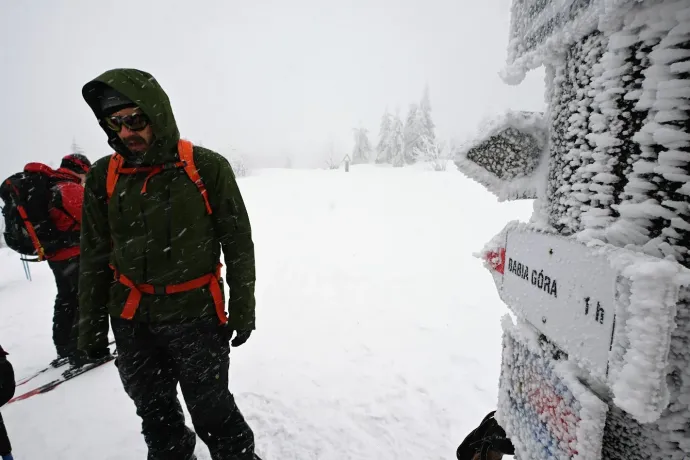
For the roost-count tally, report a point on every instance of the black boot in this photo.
(59, 361)
(63, 356)
(80, 358)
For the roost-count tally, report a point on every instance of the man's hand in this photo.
(240, 338)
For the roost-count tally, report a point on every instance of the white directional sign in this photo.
(564, 289)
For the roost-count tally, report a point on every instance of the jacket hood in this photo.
(144, 90)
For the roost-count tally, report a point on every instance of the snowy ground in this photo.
(378, 331)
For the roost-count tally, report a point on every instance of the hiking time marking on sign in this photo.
(564, 289)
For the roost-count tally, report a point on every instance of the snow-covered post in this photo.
(347, 160)
(597, 364)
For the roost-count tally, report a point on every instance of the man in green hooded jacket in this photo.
(153, 226)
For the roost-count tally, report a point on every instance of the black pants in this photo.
(7, 387)
(153, 359)
(66, 312)
(5, 446)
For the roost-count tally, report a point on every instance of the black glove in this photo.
(487, 438)
(240, 338)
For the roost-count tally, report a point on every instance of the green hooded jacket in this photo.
(163, 236)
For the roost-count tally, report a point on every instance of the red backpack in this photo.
(27, 198)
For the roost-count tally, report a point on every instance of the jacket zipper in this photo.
(168, 215)
(146, 251)
(146, 241)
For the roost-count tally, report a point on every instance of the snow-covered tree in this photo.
(412, 133)
(362, 149)
(332, 161)
(437, 154)
(397, 142)
(383, 147)
(76, 148)
(424, 114)
(418, 126)
(239, 165)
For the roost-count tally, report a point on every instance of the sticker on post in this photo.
(544, 409)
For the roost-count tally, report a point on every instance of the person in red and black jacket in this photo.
(67, 198)
(7, 386)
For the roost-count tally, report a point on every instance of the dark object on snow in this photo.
(486, 440)
(7, 386)
(153, 359)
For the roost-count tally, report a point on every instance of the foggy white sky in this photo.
(265, 77)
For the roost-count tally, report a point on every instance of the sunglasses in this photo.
(134, 122)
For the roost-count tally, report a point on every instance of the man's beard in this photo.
(136, 143)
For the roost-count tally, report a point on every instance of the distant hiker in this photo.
(7, 386)
(156, 214)
(42, 219)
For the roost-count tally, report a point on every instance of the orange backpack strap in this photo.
(113, 173)
(29, 227)
(186, 151)
(136, 291)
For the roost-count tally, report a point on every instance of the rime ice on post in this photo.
(507, 156)
(598, 363)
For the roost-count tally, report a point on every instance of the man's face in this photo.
(137, 141)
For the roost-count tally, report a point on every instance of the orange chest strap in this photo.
(212, 280)
(185, 150)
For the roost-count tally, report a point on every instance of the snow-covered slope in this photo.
(378, 332)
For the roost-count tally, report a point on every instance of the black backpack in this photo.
(27, 200)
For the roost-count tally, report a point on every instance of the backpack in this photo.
(27, 197)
